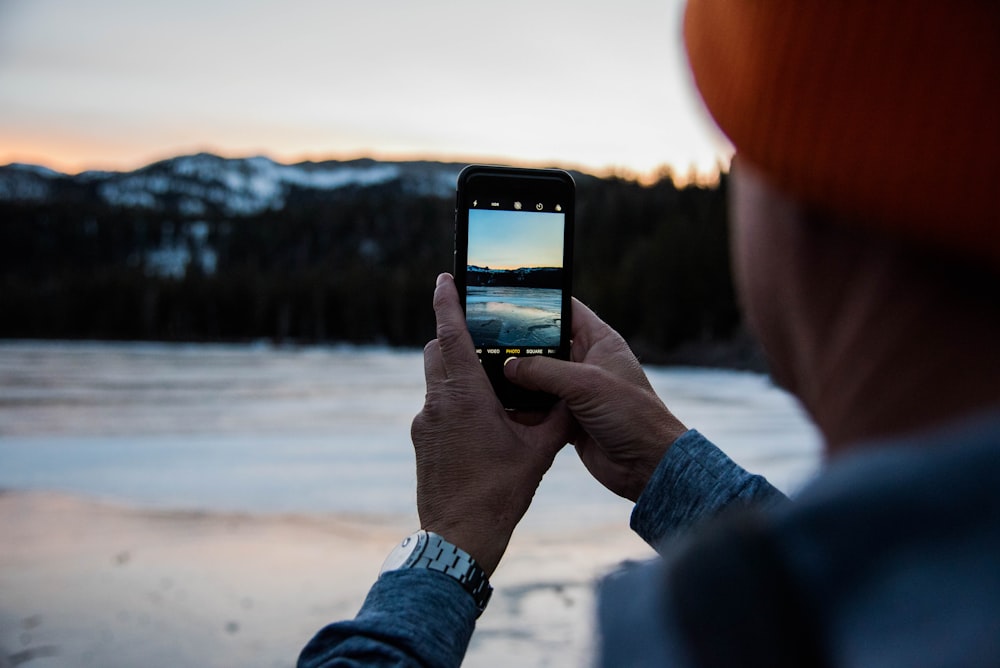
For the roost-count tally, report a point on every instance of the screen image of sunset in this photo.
(514, 276)
(515, 239)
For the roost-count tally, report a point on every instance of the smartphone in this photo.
(514, 268)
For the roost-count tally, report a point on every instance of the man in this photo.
(866, 242)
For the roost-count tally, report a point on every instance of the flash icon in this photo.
(517, 206)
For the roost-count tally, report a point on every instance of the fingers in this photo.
(457, 351)
(587, 329)
(434, 371)
(560, 425)
(547, 432)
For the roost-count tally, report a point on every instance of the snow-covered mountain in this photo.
(194, 185)
(534, 277)
(31, 183)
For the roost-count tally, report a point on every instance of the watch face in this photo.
(406, 549)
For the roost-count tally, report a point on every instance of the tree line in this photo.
(352, 265)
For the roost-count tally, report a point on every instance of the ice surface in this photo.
(261, 431)
(509, 316)
(324, 429)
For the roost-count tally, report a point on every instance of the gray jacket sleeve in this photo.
(694, 481)
(410, 618)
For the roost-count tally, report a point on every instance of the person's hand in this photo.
(478, 466)
(624, 428)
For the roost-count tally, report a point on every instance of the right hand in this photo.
(624, 428)
(478, 466)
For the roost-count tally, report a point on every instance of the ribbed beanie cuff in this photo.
(887, 111)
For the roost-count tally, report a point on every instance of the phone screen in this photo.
(513, 267)
(514, 280)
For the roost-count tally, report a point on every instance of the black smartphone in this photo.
(514, 268)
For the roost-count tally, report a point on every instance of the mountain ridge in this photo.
(191, 185)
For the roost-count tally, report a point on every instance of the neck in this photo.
(907, 354)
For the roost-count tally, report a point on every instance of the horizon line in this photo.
(476, 266)
(74, 168)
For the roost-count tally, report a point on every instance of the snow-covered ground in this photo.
(260, 429)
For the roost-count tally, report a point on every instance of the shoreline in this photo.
(92, 583)
(740, 352)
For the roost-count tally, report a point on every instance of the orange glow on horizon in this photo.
(291, 86)
(519, 266)
(71, 154)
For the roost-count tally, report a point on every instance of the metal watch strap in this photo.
(440, 555)
(437, 554)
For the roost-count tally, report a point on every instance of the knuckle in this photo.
(448, 331)
(417, 427)
(440, 297)
(443, 400)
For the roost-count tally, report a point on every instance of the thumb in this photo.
(564, 379)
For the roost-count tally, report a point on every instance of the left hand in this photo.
(624, 427)
(478, 466)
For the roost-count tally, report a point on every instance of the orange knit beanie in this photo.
(887, 111)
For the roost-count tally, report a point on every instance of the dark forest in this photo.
(355, 263)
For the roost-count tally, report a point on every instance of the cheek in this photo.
(738, 253)
(762, 268)
(756, 294)
(751, 259)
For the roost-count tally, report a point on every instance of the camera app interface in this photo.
(514, 280)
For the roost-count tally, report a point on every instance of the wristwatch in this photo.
(425, 549)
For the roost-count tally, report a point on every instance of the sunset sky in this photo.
(515, 239)
(115, 84)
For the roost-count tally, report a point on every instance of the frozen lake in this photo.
(514, 316)
(307, 430)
